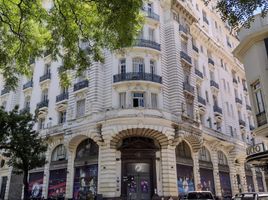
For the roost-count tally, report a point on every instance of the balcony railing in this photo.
(188, 87)
(214, 84)
(248, 107)
(42, 104)
(261, 118)
(28, 85)
(242, 123)
(62, 97)
(217, 109)
(183, 29)
(195, 48)
(235, 80)
(251, 127)
(198, 73)
(186, 57)
(210, 61)
(201, 100)
(5, 91)
(237, 100)
(152, 15)
(205, 20)
(80, 85)
(130, 76)
(45, 77)
(147, 44)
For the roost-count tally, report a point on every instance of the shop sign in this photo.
(258, 148)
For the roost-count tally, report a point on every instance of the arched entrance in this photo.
(206, 170)
(224, 173)
(249, 178)
(184, 161)
(86, 170)
(138, 167)
(58, 173)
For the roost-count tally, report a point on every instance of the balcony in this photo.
(5, 91)
(62, 97)
(152, 15)
(42, 104)
(237, 100)
(27, 85)
(80, 85)
(195, 48)
(141, 76)
(261, 119)
(210, 61)
(199, 73)
(218, 113)
(45, 77)
(188, 88)
(248, 107)
(147, 44)
(183, 29)
(242, 123)
(186, 59)
(214, 86)
(251, 127)
(205, 20)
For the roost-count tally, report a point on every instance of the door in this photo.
(139, 186)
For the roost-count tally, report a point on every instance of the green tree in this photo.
(20, 144)
(240, 12)
(29, 28)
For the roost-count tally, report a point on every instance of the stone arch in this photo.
(156, 134)
(208, 151)
(225, 159)
(195, 141)
(52, 146)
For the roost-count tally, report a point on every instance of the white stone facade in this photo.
(179, 86)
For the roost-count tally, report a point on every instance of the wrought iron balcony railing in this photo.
(130, 76)
(43, 104)
(210, 61)
(186, 57)
(195, 48)
(45, 77)
(62, 96)
(261, 118)
(198, 73)
(188, 87)
(217, 109)
(28, 85)
(80, 85)
(237, 100)
(201, 100)
(147, 44)
(214, 84)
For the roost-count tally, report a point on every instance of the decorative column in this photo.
(169, 172)
(8, 183)
(254, 177)
(264, 181)
(233, 177)
(70, 173)
(214, 159)
(46, 176)
(197, 179)
(243, 179)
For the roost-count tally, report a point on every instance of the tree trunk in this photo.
(26, 185)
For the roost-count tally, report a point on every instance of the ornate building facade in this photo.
(169, 115)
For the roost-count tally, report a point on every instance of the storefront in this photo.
(224, 173)
(259, 180)
(86, 170)
(185, 177)
(3, 187)
(249, 179)
(36, 184)
(206, 170)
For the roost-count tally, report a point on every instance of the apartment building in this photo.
(166, 116)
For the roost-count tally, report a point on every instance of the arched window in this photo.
(183, 150)
(204, 154)
(59, 153)
(138, 65)
(87, 148)
(222, 159)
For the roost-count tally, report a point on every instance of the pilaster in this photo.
(243, 179)
(233, 177)
(46, 176)
(255, 179)
(70, 173)
(264, 181)
(8, 183)
(197, 179)
(169, 172)
(214, 159)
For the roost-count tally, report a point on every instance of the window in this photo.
(138, 100)
(205, 19)
(80, 108)
(190, 109)
(27, 102)
(45, 95)
(222, 63)
(228, 41)
(62, 117)
(150, 7)
(122, 100)
(151, 34)
(176, 17)
(154, 100)
(47, 68)
(138, 65)
(228, 87)
(183, 150)
(59, 153)
(224, 84)
(64, 90)
(204, 71)
(201, 48)
(258, 97)
(238, 79)
(204, 154)
(152, 67)
(218, 126)
(207, 98)
(216, 25)
(122, 66)
(231, 131)
(195, 63)
(222, 160)
(184, 46)
(41, 123)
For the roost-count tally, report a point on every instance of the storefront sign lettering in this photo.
(258, 148)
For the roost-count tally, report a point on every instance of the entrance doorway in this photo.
(138, 168)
